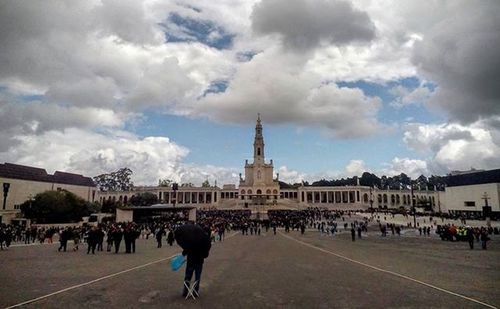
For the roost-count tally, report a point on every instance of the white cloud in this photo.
(274, 84)
(411, 167)
(91, 154)
(405, 96)
(291, 176)
(454, 146)
(355, 168)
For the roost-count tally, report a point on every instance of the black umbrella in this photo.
(193, 239)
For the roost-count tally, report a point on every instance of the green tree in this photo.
(144, 199)
(115, 181)
(109, 206)
(55, 207)
(205, 184)
(165, 182)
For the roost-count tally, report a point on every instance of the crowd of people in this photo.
(218, 222)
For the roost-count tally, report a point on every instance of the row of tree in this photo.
(121, 181)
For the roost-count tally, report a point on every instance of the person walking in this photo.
(170, 237)
(484, 238)
(117, 238)
(159, 235)
(353, 234)
(92, 240)
(470, 237)
(63, 239)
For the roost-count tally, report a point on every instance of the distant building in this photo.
(467, 193)
(24, 182)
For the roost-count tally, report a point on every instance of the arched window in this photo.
(385, 198)
(249, 191)
(259, 192)
(258, 151)
(365, 198)
(268, 191)
(242, 191)
(275, 191)
(398, 199)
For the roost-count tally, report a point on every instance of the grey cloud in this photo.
(305, 24)
(460, 55)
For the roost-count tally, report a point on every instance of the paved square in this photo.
(287, 270)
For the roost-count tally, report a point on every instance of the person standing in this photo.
(484, 238)
(63, 239)
(109, 239)
(159, 235)
(195, 259)
(359, 232)
(117, 238)
(470, 238)
(353, 234)
(92, 240)
(170, 237)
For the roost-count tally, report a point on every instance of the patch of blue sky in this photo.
(216, 87)
(305, 150)
(209, 143)
(389, 114)
(186, 29)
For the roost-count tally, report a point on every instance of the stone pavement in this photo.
(268, 271)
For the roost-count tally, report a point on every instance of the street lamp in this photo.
(486, 209)
(175, 187)
(413, 206)
(6, 187)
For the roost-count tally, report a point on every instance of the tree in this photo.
(165, 182)
(55, 207)
(109, 206)
(205, 184)
(144, 199)
(187, 185)
(115, 181)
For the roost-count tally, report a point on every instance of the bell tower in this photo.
(258, 144)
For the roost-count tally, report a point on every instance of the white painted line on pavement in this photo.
(390, 272)
(97, 280)
(89, 282)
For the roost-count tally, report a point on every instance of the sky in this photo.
(172, 89)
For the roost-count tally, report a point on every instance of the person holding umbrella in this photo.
(196, 245)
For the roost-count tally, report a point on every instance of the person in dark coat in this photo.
(195, 259)
(353, 234)
(92, 240)
(484, 238)
(63, 240)
(170, 238)
(470, 237)
(100, 238)
(159, 235)
(135, 235)
(117, 238)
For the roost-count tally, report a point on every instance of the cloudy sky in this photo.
(171, 89)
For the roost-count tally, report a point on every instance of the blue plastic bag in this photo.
(177, 261)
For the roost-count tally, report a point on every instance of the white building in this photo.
(21, 183)
(467, 193)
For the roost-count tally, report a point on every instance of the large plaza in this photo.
(286, 270)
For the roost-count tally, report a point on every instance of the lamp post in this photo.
(486, 209)
(6, 187)
(175, 187)
(413, 207)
